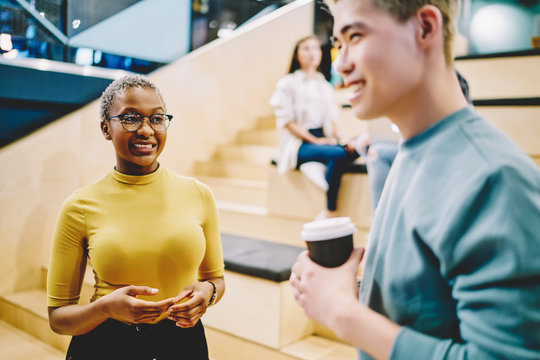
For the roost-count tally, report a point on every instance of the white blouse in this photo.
(308, 101)
(313, 109)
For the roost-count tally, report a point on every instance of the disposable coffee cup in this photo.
(329, 241)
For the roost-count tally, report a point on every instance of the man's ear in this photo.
(105, 130)
(431, 26)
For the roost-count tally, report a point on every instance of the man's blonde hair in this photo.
(405, 9)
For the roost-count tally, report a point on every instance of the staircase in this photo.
(17, 344)
(43, 171)
(25, 333)
(238, 175)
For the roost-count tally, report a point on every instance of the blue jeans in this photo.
(334, 157)
(380, 157)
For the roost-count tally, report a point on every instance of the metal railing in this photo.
(43, 28)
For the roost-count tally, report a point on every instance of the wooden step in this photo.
(16, 344)
(503, 77)
(27, 311)
(536, 159)
(239, 313)
(521, 123)
(266, 123)
(230, 169)
(292, 195)
(320, 348)
(25, 326)
(223, 346)
(249, 153)
(253, 221)
(260, 137)
(237, 190)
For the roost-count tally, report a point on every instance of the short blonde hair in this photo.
(403, 10)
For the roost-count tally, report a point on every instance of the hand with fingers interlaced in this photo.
(123, 305)
(190, 304)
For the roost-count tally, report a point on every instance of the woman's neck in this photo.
(310, 71)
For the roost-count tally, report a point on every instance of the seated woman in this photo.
(306, 113)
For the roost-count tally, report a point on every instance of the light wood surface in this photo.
(509, 77)
(19, 345)
(521, 123)
(259, 310)
(292, 195)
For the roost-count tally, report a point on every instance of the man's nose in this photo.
(343, 64)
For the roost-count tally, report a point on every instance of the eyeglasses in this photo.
(133, 122)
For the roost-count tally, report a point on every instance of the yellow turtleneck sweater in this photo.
(159, 230)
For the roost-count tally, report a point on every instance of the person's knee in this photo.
(338, 151)
(372, 154)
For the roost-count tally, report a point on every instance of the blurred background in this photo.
(103, 38)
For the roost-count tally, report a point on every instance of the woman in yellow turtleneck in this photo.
(151, 236)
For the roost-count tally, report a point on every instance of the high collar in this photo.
(137, 179)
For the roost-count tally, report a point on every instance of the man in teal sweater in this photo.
(452, 267)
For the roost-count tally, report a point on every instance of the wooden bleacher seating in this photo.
(259, 305)
(294, 195)
(258, 318)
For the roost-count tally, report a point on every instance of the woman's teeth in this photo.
(141, 146)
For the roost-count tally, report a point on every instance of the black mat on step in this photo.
(259, 258)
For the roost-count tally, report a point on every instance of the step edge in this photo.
(227, 181)
(241, 208)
